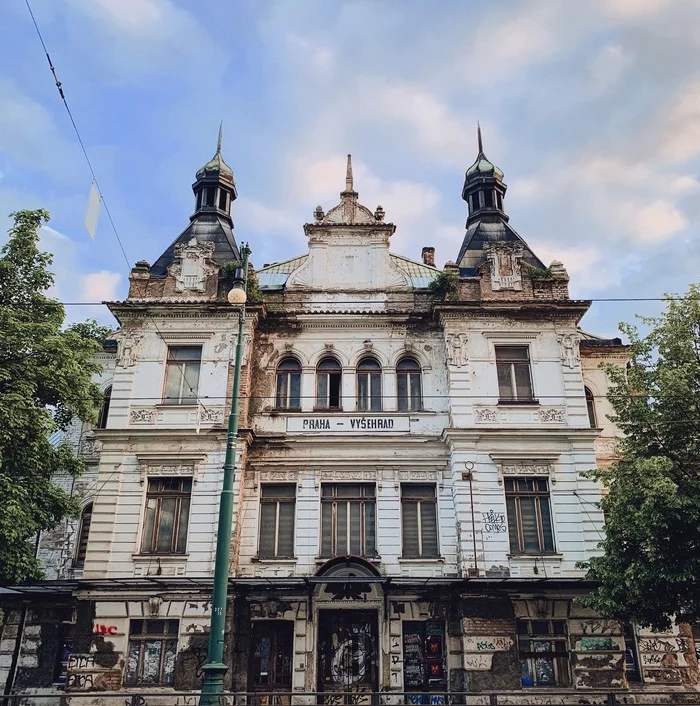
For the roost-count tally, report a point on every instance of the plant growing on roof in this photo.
(444, 285)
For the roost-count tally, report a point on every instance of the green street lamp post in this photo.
(214, 669)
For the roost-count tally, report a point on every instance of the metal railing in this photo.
(362, 698)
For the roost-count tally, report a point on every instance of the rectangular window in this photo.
(348, 522)
(167, 513)
(513, 370)
(271, 658)
(529, 515)
(277, 504)
(419, 520)
(182, 374)
(544, 654)
(152, 651)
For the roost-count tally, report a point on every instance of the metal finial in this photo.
(478, 134)
(348, 175)
(218, 144)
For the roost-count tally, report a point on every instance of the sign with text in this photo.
(343, 424)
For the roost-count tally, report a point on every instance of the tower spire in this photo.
(478, 136)
(348, 175)
(220, 140)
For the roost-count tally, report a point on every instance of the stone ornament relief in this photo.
(192, 266)
(214, 416)
(456, 349)
(146, 469)
(557, 416)
(143, 416)
(525, 468)
(570, 356)
(505, 260)
(127, 345)
(485, 414)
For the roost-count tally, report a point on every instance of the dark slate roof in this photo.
(207, 228)
(590, 340)
(490, 228)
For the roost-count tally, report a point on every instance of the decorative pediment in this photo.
(193, 264)
(504, 260)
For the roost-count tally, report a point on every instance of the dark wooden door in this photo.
(348, 656)
(270, 664)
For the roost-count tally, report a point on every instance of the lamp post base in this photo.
(213, 684)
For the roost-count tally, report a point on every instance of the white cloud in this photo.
(637, 10)
(681, 133)
(100, 286)
(608, 66)
(654, 223)
(320, 58)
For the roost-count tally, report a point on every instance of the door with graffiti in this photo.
(348, 656)
(271, 661)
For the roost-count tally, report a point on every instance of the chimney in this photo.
(428, 256)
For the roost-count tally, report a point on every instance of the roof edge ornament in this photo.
(348, 175)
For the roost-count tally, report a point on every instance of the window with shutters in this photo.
(182, 374)
(419, 521)
(166, 517)
(83, 533)
(408, 386)
(544, 654)
(328, 379)
(288, 384)
(369, 386)
(590, 406)
(348, 519)
(529, 515)
(277, 504)
(152, 653)
(513, 370)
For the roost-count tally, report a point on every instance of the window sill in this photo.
(320, 560)
(518, 403)
(174, 403)
(273, 560)
(422, 560)
(160, 557)
(530, 557)
(328, 410)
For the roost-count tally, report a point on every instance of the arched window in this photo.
(83, 532)
(328, 377)
(288, 384)
(104, 410)
(369, 386)
(408, 385)
(590, 404)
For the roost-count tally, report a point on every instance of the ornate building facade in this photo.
(410, 513)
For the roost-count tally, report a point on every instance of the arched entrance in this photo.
(348, 644)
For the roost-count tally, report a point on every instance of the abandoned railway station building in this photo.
(409, 509)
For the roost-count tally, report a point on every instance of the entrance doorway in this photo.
(348, 656)
(270, 662)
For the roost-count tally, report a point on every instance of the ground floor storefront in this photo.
(344, 636)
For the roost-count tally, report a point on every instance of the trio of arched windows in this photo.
(368, 385)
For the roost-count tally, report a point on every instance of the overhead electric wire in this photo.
(59, 86)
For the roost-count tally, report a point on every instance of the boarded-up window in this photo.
(632, 671)
(271, 657)
(513, 369)
(83, 534)
(152, 652)
(277, 503)
(544, 655)
(424, 657)
(167, 514)
(529, 515)
(348, 522)
(419, 521)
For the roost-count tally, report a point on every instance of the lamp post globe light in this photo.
(214, 669)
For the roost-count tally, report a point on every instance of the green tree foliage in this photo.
(45, 381)
(651, 567)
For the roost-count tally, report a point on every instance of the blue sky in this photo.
(592, 109)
